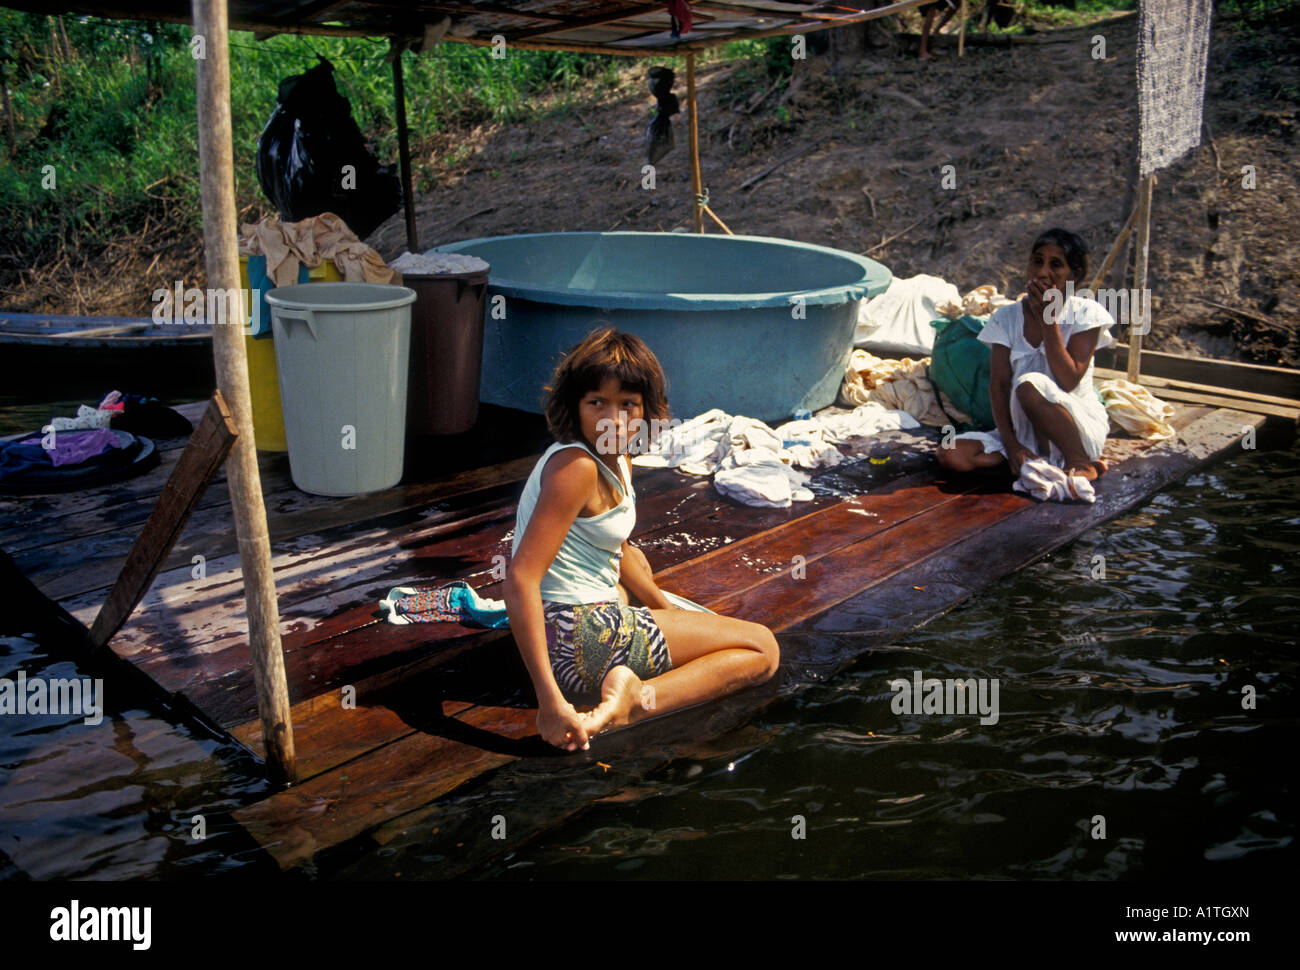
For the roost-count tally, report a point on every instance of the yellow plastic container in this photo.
(263, 375)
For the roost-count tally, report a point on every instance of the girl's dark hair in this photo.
(602, 354)
(1072, 244)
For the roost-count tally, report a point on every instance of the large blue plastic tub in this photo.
(749, 324)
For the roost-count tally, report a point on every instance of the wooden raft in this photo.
(441, 708)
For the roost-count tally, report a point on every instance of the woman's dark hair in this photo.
(602, 354)
(1072, 244)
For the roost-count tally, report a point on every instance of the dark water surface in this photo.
(1120, 698)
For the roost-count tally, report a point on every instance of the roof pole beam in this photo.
(404, 148)
(595, 20)
(217, 178)
(697, 185)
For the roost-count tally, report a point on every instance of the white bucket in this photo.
(343, 351)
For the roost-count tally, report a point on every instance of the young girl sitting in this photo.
(572, 569)
(1040, 377)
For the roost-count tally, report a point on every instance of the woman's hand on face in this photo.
(562, 727)
(1035, 301)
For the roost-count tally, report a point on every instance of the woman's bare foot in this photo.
(621, 693)
(1088, 472)
(1101, 467)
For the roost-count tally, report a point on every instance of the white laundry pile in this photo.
(902, 385)
(864, 421)
(897, 321)
(759, 477)
(1042, 480)
(979, 302)
(759, 465)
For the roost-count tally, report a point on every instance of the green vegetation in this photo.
(104, 134)
(104, 143)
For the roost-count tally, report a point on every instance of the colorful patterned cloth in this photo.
(585, 641)
(454, 602)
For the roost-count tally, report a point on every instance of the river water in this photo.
(1146, 730)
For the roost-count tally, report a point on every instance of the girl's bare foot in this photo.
(621, 693)
(1101, 467)
(1088, 472)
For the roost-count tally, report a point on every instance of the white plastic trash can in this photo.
(343, 351)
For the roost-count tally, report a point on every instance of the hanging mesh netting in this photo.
(1173, 45)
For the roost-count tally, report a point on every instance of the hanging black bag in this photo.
(312, 158)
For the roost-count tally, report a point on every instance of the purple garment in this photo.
(74, 447)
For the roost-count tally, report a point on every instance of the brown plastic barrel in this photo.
(446, 351)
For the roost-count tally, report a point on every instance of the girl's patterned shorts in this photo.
(585, 641)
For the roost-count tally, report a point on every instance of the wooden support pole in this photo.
(1114, 250)
(217, 174)
(404, 150)
(697, 184)
(961, 30)
(1143, 248)
(714, 216)
(207, 449)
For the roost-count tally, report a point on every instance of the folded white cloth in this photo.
(1047, 483)
(759, 477)
(898, 320)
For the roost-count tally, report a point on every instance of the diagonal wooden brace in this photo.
(207, 449)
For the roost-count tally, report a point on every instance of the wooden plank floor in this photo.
(441, 707)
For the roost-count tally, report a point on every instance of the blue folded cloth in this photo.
(260, 282)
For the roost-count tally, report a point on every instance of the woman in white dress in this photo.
(1040, 378)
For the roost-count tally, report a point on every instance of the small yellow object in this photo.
(603, 765)
(921, 588)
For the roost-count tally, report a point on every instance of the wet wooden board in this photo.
(967, 520)
(705, 578)
(1186, 392)
(357, 638)
(330, 561)
(206, 451)
(441, 707)
(108, 517)
(290, 513)
(1220, 374)
(453, 831)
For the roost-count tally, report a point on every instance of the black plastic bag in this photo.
(303, 152)
(659, 137)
